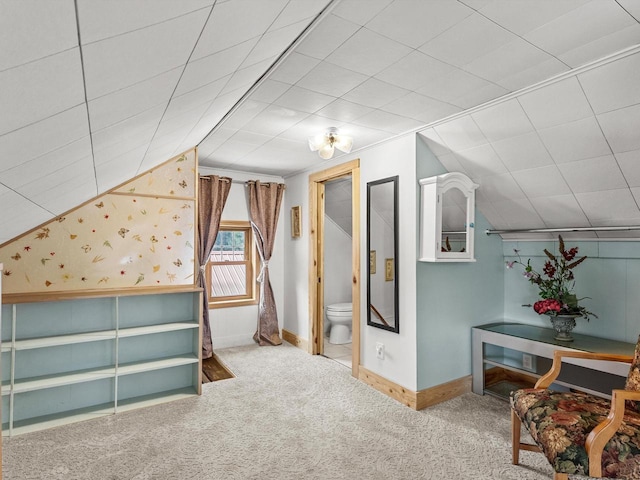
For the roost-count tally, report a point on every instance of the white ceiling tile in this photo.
(360, 11)
(244, 78)
(556, 103)
(471, 38)
(421, 108)
(535, 73)
(244, 113)
(331, 79)
(42, 137)
(415, 71)
(389, 122)
(519, 213)
(368, 52)
(130, 101)
(116, 150)
(22, 43)
(560, 211)
(223, 31)
(326, 37)
(515, 56)
(273, 43)
(211, 143)
(73, 194)
(99, 19)
(579, 26)
(613, 85)
(79, 174)
(130, 130)
(298, 10)
(414, 23)
(303, 100)
(250, 138)
(524, 16)
(602, 46)
(500, 188)
(598, 206)
(124, 60)
(45, 165)
(200, 96)
(40, 89)
(179, 124)
(502, 120)
(343, 111)
(621, 128)
(481, 161)
(434, 142)
(631, 6)
(374, 93)
(18, 214)
(451, 163)
(458, 84)
(593, 174)
(293, 68)
(273, 120)
(630, 165)
(461, 133)
(269, 90)
(480, 95)
(523, 152)
(109, 174)
(575, 140)
(213, 67)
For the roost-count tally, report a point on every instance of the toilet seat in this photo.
(338, 308)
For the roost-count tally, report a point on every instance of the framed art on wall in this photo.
(296, 222)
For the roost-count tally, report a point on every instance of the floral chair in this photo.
(580, 433)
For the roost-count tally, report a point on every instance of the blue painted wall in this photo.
(610, 277)
(453, 297)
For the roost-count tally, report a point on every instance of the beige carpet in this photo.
(287, 415)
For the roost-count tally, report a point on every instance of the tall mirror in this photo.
(382, 245)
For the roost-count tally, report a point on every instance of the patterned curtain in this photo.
(264, 208)
(212, 195)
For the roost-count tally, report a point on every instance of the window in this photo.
(230, 270)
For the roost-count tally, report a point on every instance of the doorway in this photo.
(317, 183)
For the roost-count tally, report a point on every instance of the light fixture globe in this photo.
(325, 144)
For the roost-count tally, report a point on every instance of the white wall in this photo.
(395, 157)
(337, 264)
(233, 326)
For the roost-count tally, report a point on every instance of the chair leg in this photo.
(515, 438)
(560, 476)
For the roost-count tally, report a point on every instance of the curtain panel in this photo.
(212, 196)
(264, 208)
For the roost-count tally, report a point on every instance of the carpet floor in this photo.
(287, 416)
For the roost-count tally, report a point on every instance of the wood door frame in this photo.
(316, 257)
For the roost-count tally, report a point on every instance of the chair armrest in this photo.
(599, 436)
(549, 377)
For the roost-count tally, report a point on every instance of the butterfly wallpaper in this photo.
(141, 234)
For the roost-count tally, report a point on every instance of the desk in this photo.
(512, 355)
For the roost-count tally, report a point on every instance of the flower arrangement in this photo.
(556, 282)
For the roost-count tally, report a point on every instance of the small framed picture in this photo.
(372, 262)
(388, 271)
(296, 222)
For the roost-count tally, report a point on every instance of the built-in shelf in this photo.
(155, 336)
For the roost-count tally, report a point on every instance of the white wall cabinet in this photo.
(447, 218)
(70, 360)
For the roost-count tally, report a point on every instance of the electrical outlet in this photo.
(380, 350)
(527, 361)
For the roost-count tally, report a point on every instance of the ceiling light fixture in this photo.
(325, 143)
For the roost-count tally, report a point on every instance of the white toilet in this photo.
(339, 317)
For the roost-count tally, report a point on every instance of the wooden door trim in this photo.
(316, 247)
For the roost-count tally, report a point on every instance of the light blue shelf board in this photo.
(140, 367)
(30, 343)
(62, 418)
(165, 327)
(155, 399)
(61, 379)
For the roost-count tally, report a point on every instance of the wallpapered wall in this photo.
(138, 235)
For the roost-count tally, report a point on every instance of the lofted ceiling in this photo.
(93, 92)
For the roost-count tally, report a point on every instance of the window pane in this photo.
(229, 246)
(228, 280)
